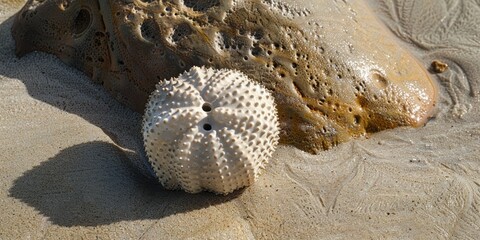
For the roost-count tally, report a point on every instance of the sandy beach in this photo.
(72, 163)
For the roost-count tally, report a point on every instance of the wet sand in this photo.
(71, 156)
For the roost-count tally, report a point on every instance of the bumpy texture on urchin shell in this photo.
(210, 130)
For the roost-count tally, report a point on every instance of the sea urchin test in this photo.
(335, 73)
(210, 130)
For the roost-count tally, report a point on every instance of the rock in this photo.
(334, 73)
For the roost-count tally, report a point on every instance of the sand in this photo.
(71, 156)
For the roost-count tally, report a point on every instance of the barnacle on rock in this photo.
(209, 130)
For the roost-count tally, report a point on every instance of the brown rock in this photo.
(326, 91)
(439, 67)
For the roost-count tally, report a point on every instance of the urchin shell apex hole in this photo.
(82, 21)
(207, 127)
(207, 107)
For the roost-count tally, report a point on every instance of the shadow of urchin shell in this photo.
(209, 130)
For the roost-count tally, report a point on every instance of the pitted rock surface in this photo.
(327, 89)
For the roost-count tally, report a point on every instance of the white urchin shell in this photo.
(209, 130)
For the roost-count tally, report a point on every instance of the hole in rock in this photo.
(207, 107)
(149, 30)
(357, 119)
(207, 127)
(256, 51)
(201, 5)
(81, 22)
(378, 79)
(181, 31)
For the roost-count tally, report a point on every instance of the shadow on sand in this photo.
(92, 183)
(51, 81)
